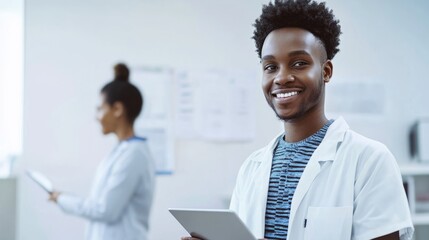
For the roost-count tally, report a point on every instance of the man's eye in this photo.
(299, 64)
(270, 67)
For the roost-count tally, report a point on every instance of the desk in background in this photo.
(8, 203)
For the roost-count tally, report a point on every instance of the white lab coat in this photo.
(121, 196)
(351, 188)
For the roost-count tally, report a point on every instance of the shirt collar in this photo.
(135, 138)
(332, 141)
(327, 148)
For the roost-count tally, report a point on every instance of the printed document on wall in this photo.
(362, 97)
(185, 108)
(155, 122)
(215, 105)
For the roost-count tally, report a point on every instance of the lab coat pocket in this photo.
(328, 223)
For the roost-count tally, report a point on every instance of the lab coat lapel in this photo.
(261, 184)
(310, 173)
(325, 152)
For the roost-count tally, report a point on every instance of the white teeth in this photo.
(285, 95)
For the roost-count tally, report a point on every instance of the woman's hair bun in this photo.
(122, 73)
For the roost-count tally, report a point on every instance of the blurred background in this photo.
(56, 55)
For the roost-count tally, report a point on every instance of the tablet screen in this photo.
(212, 224)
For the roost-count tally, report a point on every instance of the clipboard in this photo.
(41, 180)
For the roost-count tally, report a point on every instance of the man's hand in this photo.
(191, 238)
(54, 196)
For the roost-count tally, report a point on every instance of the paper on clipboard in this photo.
(41, 180)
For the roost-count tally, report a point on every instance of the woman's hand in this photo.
(53, 197)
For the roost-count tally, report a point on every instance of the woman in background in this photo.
(121, 196)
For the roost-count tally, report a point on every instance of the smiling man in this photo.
(318, 179)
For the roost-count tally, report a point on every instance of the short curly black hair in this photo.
(306, 14)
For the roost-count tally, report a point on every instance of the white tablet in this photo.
(41, 180)
(212, 224)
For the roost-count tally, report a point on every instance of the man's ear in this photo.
(327, 71)
(118, 109)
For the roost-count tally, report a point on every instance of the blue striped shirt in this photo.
(289, 161)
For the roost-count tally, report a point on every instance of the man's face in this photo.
(293, 72)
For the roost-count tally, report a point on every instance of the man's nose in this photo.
(283, 76)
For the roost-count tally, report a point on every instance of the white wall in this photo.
(11, 76)
(70, 49)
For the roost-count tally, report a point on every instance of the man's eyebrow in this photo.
(291, 54)
(299, 52)
(267, 57)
